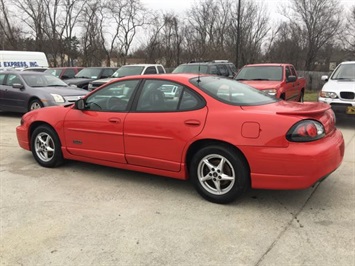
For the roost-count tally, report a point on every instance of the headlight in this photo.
(58, 98)
(328, 94)
(306, 130)
(270, 92)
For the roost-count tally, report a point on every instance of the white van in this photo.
(22, 59)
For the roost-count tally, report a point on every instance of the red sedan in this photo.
(223, 135)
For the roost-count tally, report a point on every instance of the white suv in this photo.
(129, 70)
(339, 89)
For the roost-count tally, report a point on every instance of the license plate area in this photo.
(350, 110)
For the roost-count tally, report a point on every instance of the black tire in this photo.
(207, 173)
(35, 104)
(301, 99)
(46, 147)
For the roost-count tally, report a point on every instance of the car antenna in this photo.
(199, 72)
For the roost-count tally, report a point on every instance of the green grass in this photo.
(310, 96)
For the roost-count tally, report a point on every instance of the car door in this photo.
(13, 99)
(2, 90)
(97, 131)
(158, 129)
(289, 85)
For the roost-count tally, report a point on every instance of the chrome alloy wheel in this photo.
(35, 105)
(216, 174)
(44, 147)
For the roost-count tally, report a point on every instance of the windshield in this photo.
(90, 73)
(128, 71)
(54, 72)
(46, 80)
(260, 73)
(231, 91)
(344, 71)
(197, 69)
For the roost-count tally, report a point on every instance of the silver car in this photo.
(24, 91)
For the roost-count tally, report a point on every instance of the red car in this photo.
(223, 135)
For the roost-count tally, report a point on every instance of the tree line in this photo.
(309, 33)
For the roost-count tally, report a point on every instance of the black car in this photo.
(215, 67)
(84, 76)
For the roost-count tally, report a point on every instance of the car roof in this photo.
(144, 65)
(24, 72)
(177, 76)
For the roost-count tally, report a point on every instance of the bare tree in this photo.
(132, 19)
(10, 34)
(33, 15)
(91, 41)
(349, 36)
(320, 22)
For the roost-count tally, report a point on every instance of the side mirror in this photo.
(324, 78)
(80, 104)
(291, 78)
(18, 86)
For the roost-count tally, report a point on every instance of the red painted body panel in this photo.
(158, 143)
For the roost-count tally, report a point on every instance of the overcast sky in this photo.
(179, 6)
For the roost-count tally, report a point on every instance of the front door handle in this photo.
(114, 120)
(192, 122)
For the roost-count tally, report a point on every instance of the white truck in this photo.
(22, 60)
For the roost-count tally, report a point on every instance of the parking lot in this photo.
(83, 214)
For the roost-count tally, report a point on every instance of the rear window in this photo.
(128, 71)
(231, 91)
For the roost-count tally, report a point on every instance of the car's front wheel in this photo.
(46, 147)
(219, 173)
(35, 104)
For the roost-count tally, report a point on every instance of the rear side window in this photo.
(161, 70)
(68, 73)
(107, 73)
(167, 96)
(150, 70)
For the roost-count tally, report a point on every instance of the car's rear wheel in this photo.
(219, 174)
(35, 104)
(46, 147)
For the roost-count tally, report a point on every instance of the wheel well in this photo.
(35, 125)
(208, 142)
(30, 100)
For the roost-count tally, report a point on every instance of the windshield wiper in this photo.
(259, 79)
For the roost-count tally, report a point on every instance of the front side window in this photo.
(112, 98)
(231, 91)
(13, 79)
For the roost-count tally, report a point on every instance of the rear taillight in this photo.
(306, 130)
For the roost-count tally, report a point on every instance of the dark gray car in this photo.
(24, 91)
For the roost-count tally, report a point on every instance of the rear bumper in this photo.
(298, 166)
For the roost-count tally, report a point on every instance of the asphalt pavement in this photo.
(83, 214)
